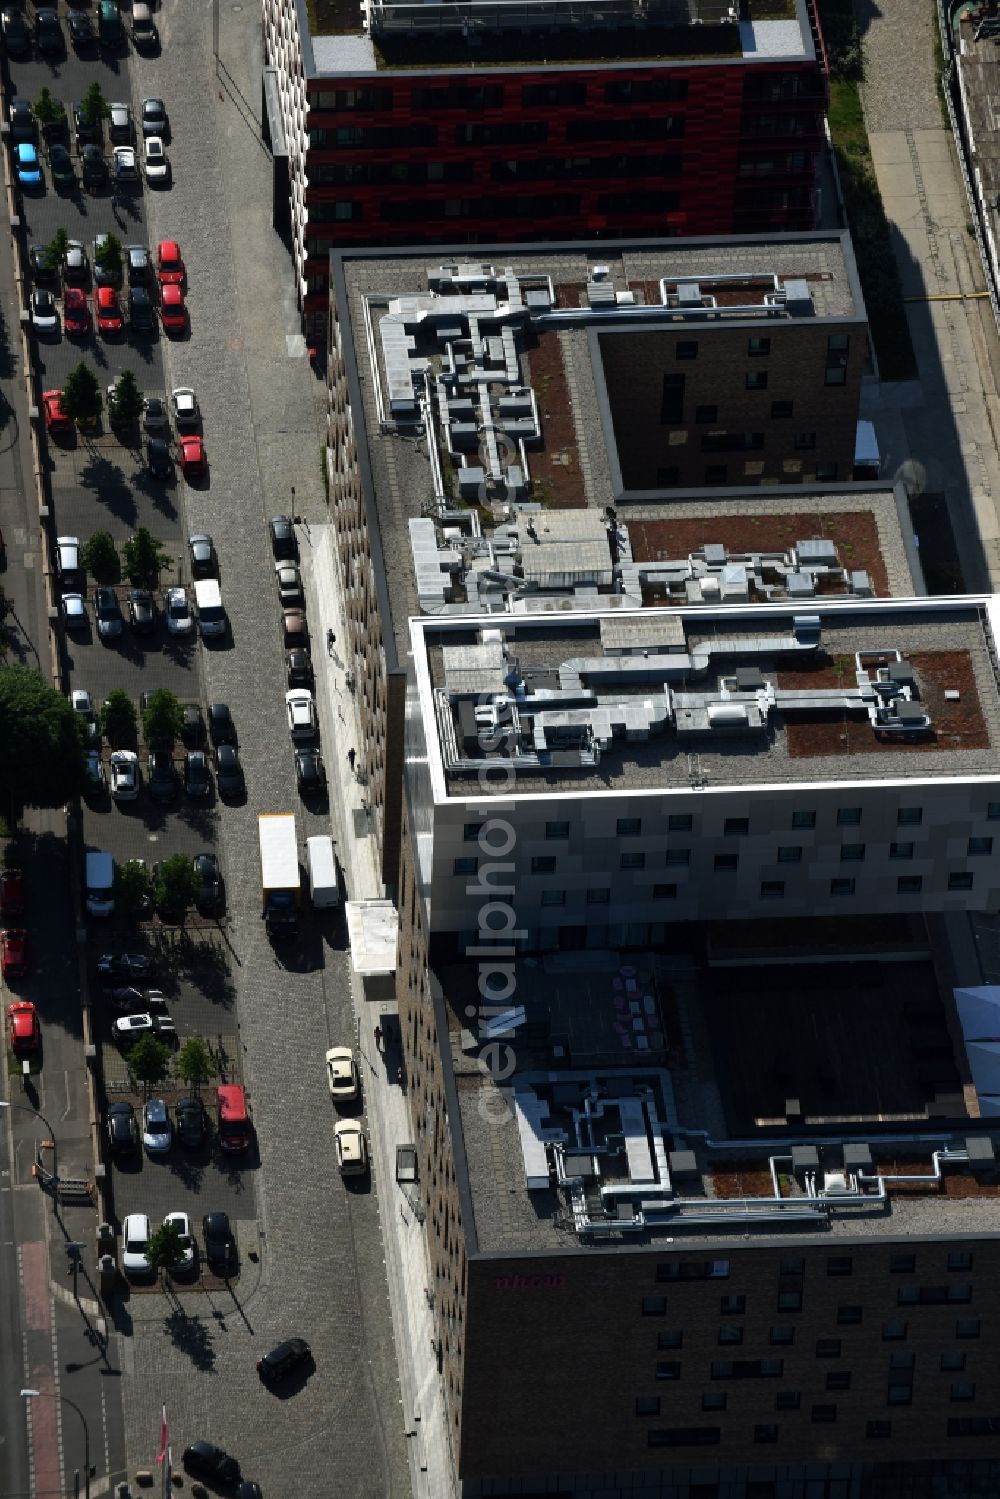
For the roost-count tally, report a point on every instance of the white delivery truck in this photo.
(211, 614)
(281, 884)
(324, 876)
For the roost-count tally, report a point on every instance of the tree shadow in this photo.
(191, 1336)
(108, 478)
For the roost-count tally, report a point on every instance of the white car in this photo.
(135, 1244)
(124, 775)
(125, 169)
(74, 611)
(289, 584)
(76, 259)
(81, 702)
(184, 404)
(157, 1132)
(178, 612)
(342, 1073)
(154, 159)
(129, 1028)
(352, 1147)
(301, 713)
(120, 117)
(182, 1223)
(44, 313)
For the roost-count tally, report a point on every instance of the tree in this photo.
(194, 1064)
(126, 401)
(133, 888)
(162, 718)
(109, 257)
(42, 757)
(176, 885)
(149, 1062)
(82, 399)
(55, 250)
(165, 1250)
(119, 720)
(144, 558)
(99, 556)
(94, 107)
(50, 114)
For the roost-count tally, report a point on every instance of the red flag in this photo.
(163, 1437)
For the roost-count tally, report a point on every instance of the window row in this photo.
(565, 92)
(769, 1432)
(738, 827)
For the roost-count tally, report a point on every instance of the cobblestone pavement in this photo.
(900, 90)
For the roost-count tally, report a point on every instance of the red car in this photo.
(173, 313)
(56, 418)
(169, 265)
(107, 310)
(11, 893)
(14, 953)
(23, 1029)
(192, 455)
(76, 313)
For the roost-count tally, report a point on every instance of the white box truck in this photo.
(281, 883)
(324, 881)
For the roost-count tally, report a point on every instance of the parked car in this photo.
(289, 581)
(124, 775)
(173, 316)
(24, 1030)
(298, 664)
(209, 898)
(192, 452)
(154, 161)
(154, 415)
(16, 36)
(142, 611)
(283, 542)
(124, 964)
(184, 406)
(179, 618)
(220, 1246)
(76, 313)
(154, 118)
(135, 1244)
(57, 419)
(44, 312)
(93, 167)
(191, 1121)
(75, 267)
(158, 460)
(342, 1074)
(283, 1360)
(108, 613)
(351, 1146)
(221, 728)
(12, 900)
(182, 1223)
(96, 782)
(310, 772)
(295, 628)
(123, 164)
(26, 165)
(122, 1129)
(137, 265)
(13, 952)
(48, 32)
(228, 772)
(73, 607)
(301, 710)
(169, 263)
(141, 313)
(162, 777)
(197, 781)
(201, 549)
(81, 30)
(38, 260)
(61, 166)
(120, 126)
(23, 126)
(157, 1132)
(202, 1460)
(82, 703)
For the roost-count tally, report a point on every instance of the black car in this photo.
(48, 32)
(85, 127)
(140, 310)
(125, 964)
(282, 536)
(209, 897)
(137, 265)
(81, 30)
(202, 1460)
(154, 118)
(193, 726)
(229, 771)
(154, 416)
(310, 772)
(142, 611)
(61, 166)
(94, 167)
(197, 781)
(220, 1246)
(161, 780)
(123, 1129)
(204, 563)
(38, 259)
(248, 1490)
(283, 1359)
(22, 119)
(158, 459)
(192, 1122)
(221, 728)
(108, 613)
(300, 668)
(17, 37)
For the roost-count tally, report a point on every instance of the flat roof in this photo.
(978, 69)
(622, 1125)
(763, 696)
(495, 353)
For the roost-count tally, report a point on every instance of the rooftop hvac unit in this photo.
(600, 272)
(689, 295)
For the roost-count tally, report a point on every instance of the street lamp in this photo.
(27, 1109)
(51, 1395)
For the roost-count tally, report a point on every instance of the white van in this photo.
(100, 883)
(211, 614)
(68, 560)
(324, 881)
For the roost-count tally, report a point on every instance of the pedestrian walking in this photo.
(378, 1037)
(331, 641)
(351, 757)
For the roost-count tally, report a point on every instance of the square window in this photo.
(961, 1389)
(557, 830)
(852, 853)
(679, 822)
(899, 1394)
(828, 1348)
(824, 1413)
(553, 897)
(471, 831)
(714, 1400)
(795, 1265)
(787, 1400)
(664, 892)
(826, 473)
(962, 880)
(893, 1331)
(804, 442)
(780, 1337)
(838, 343)
(909, 817)
(790, 853)
(687, 348)
(756, 379)
(647, 1405)
(878, 1429)
(727, 863)
(902, 1360)
(706, 414)
(736, 827)
(715, 473)
(765, 1433)
(780, 409)
(900, 850)
(732, 1306)
(908, 1296)
(789, 1301)
(836, 374)
(730, 1333)
(960, 1259)
(543, 864)
(772, 890)
(632, 861)
(803, 819)
(654, 1306)
(668, 1369)
(979, 847)
(841, 887)
(678, 856)
(629, 827)
(967, 1327)
(467, 864)
(952, 1363)
(849, 1316)
(909, 884)
(672, 1339)
(758, 348)
(839, 1264)
(902, 1264)
(600, 896)
(839, 1379)
(848, 817)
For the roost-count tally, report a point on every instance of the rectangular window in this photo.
(794, 1265)
(727, 863)
(543, 864)
(839, 1264)
(668, 1368)
(672, 1339)
(467, 864)
(678, 856)
(826, 473)
(877, 1430)
(909, 884)
(967, 1327)
(900, 850)
(553, 897)
(756, 379)
(804, 442)
(841, 887)
(980, 847)
(902, 1360)
(732, 1306)
(671, 1270)
(557, 830)
(902, 1264)
(973, 1426)
(685, 1436)
(780, 409)
(836, 374)
(706, 415)
(822, 1413)
(730, 1333)
(909, 817)
(736, 827)
(599, 896)
(993, 811)
(780, 1337)
(959, 1259)
(714, 1400)
(892, 1331)
(790, 853)
(772, 890)
(848, 817)
(758, 348)
(839, 1379)
(687, 348)
(629, 827)
(654, 1306)
(789, 1301)
(849, 1316)
(787, 1400)
(961, 1389)
(765, 1433)
(679, 822)
(803, 819)
(952, 1363)
(632, 861)
(672, 401)
(963, 880)
(747, 1368)
(852, 853)
(664, 892)
(647, 1405)
(828, 1348)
